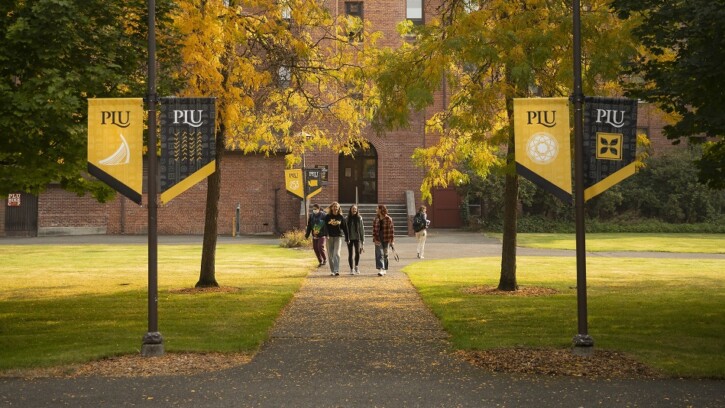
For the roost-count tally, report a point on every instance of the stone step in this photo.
(398, 212)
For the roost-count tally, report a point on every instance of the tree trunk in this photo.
(511, 200)
(207, 276)
(508, 251)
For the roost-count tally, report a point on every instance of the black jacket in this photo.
(335, 226)
(355, 228)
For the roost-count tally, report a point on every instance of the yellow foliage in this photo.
(276, 78)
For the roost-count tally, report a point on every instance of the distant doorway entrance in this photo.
(446, 209)
(21, 215)
(359, 176)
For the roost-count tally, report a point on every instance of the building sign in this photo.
(188, 139)
(301, 184)
(541, 132)
(14, 200)
(610, 142)
(323, 173)
(313, 178)
(115, 143)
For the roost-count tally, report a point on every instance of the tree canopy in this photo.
(681, 70)
(287, 77)
(53, 56)
(279, 70)
(482, 55)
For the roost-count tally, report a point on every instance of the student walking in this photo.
(355, 239)
(420, 226)
(383, 237)
(315, 225)
(335, 230)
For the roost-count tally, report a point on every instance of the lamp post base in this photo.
(583, 345)
(152, 345)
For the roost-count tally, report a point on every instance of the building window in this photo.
(284, 75)
(355, 9)
(286, 13)
(414, 11)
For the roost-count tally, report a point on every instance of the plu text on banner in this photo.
(541, 134)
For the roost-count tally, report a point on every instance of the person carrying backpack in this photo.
(420, 225)
(314, 226)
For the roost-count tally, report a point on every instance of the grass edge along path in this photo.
(668, 315)
(625, 242)
(70, 304)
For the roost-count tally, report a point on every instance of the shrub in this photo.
(295, 239)
(664, 196)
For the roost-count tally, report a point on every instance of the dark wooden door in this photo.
(358, 177)
(21, 215)
(446, 209)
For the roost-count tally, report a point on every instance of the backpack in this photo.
(418, 222)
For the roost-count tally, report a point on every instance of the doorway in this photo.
(21, 215)
(358, 176)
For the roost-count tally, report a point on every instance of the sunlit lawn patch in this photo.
(62, 304)
(602, 242)
(666, 312)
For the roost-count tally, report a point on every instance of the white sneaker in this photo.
(357, 270)
(352, 271)
(421, 257)
(332, 273)
(380, 272)
(383, 272)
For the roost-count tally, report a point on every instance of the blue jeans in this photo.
(381, 256)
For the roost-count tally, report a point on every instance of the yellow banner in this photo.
(541, 132)
(294, 183)
(115, 144)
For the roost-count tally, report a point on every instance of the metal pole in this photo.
(237, 226)
(153, 343)
(304, 190)
(583, 343)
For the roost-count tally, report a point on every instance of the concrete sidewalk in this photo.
(363, 341)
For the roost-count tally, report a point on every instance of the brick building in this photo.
(255, 183)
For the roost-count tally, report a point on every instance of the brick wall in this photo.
(61, 212)
(248, 180)
(653, 120)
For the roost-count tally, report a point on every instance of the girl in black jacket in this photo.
(336, 231)
(355, 239)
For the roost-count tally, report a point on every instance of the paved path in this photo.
(364, 341)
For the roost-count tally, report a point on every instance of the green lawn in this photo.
(63, 304)
(603, 242)
(667, 313)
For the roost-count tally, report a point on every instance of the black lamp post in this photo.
(583, 343)
(153, 343)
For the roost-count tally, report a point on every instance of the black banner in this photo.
(610, 142)
(187, 143)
